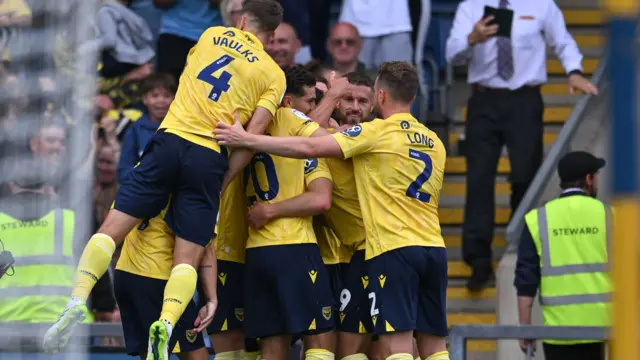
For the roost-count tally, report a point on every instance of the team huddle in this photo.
(289, 223)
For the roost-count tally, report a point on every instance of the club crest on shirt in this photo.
(300, 114)
(239, 314)
(191, 336)
(326, 312)
(310, 165)
(353, 131)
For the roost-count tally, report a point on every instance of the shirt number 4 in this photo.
(413, 191)
(219, 84)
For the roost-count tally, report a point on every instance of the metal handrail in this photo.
(548, 167)
(459, 334)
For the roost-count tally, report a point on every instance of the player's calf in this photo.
(228, 345)
(275, 347)
(431, 347)
(320, 346)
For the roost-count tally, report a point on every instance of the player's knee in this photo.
(117, 225)
(186, 252)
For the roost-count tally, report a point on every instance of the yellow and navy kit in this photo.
(232, 229)
(148, 249)
(228, 70)
(399, 166)
(273, 179)
(345, 216)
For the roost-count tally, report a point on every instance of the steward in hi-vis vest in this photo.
(564, 254)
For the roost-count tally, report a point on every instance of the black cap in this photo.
(578, 164)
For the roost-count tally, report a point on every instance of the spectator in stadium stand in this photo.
(231, 11)
(284, 45)
(105, 185)
(385, 27)
(505, 107)
(158, 92)
(564, 253)
(42, 236)
(344, 46)
(183, 21)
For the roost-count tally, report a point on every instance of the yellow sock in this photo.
(319, 354)
(251, 355)
(402, 356)
(238, 355)
(417, 358)
(356, 357)
(94, 262)
(178, 292)
(441, 355)
(230, 355)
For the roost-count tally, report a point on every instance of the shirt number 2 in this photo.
(219, 84)
(413, 191)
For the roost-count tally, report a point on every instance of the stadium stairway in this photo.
(585, 22)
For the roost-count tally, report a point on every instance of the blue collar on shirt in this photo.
(572, 192)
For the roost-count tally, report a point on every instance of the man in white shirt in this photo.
(385, 27)
(506, 106)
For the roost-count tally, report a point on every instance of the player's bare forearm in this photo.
(237, 161)
(239, 158)
(322, 112)
(209, 273)
(316, 200)
(525, 304)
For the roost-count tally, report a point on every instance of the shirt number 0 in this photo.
(413, 191)
(219, 84)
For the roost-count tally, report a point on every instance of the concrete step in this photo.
(554, 66)
(455, 215)
(588, 37)
(583, 16)
(453, 236)
(458, 269)
(552, 114)
(458, 165)
(455, 253)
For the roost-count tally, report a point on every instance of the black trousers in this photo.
(496, 118)
(590, 351)
(172, 54)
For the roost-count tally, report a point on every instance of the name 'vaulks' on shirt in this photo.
(274, 179)
(227, 70)
(399, 168)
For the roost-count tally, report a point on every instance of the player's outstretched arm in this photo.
(316, 200)
(288, 146)
(240, 157)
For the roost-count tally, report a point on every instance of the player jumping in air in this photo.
(227, 71)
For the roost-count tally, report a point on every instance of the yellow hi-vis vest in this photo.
(44, 267)
(570, 234)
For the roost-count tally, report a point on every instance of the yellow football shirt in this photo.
(345, 216)
(274, 179)
(232, 229)
(148, 249)
(227, 70)
(399, 168)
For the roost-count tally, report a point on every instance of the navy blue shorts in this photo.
(407, 290)
(140, 301)
(230, 312)
(354, 302)
(286, 291)
(335, 283)
(188, 173)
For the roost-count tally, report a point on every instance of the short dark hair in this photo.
(297, 79)
(359, 79)
(159, 81)
(401, 80)
(267, 14)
